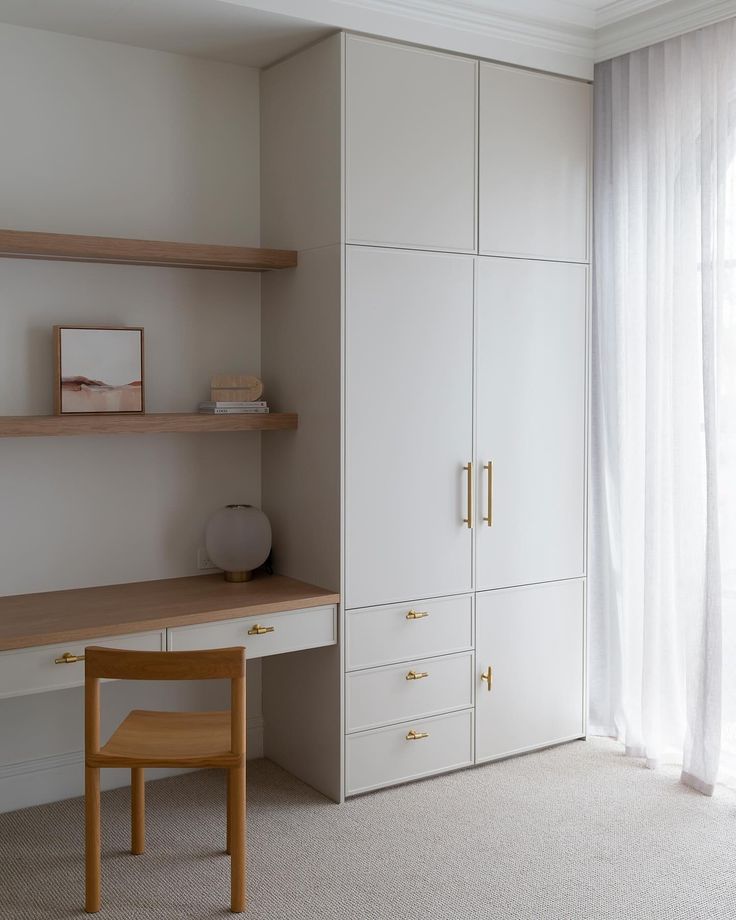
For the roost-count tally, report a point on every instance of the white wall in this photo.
(100, 138)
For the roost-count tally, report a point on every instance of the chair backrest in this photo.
(204, 664)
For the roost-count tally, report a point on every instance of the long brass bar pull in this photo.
(489, 469)
(68, 658)
(488, 676)
(469, 519)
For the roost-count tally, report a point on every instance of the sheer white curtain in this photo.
(663, 479)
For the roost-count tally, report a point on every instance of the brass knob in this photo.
(488, 675)
(417, 675)
(68, 658)
(260, 630)
(416, 736)
(417, 614)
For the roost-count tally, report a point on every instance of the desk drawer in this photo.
(416, 689)
(382, 635)
(287, 632)
(33, 670)
(386, 756)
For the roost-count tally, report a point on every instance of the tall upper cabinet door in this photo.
(535, 147)
(410, 123)
(408, 424)
(531, 410)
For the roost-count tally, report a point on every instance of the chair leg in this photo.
(237, 839)
(227, 780)
(137, 810)
(92, 839)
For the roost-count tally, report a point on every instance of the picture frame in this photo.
(99, 370)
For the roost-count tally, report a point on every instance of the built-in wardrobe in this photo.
(434, 341)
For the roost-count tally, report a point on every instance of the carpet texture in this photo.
(578, 832)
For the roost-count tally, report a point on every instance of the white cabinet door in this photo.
(410, 164)
(532, 638)
(531, 397)
(534, 164)
(408, 424)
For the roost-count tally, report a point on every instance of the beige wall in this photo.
(101, 138)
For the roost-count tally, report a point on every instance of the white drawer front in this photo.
(382, 635)
(385, 756)
(412, 690)
(33, 670)
(288, 632)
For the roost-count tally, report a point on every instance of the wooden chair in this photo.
(165, 739)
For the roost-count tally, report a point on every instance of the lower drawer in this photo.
(285, 632)
(412, 690)
(389, 755)
(34, 670)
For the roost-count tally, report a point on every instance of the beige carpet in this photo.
(574, 833)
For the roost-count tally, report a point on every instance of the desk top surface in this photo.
(86, 613)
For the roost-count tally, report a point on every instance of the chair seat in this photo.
(169, 739)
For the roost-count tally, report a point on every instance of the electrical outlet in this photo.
(203, 560)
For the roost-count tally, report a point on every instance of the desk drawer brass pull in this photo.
(260, 630)
(417, 675)
(417, 614)
(68, 658)
(416, 736)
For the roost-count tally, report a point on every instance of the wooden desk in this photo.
(36, 630)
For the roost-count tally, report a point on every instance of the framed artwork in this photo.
(99, 370)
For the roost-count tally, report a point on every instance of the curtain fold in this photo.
(663, 440)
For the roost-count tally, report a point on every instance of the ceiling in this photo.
(212, 29)
(565, 36)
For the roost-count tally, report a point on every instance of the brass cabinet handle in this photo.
(488, 675)
(469, 519)
(416, 736)
(417, 675)
(260, 630)
(68, 658)
(489, 469)
(417, 614)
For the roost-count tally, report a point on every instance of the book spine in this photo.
(219, 410)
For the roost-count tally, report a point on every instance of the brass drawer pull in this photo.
(416, 736)
(417, 675)
(417, 614)
(488, 675)
(260, 630)
(68, 658)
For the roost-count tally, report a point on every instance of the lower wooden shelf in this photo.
(30, 426)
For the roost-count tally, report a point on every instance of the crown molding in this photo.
(552, 35)
(564, 27)
(627, 25)
(617, 10)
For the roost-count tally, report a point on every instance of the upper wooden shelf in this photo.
(28, 426)
(87, 613)
(64, 247)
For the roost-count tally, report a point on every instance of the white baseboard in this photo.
(61, 776)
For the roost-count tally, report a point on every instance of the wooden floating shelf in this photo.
(38, 426)
(64, 247)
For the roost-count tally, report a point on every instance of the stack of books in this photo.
(234, 394)
(226, 407)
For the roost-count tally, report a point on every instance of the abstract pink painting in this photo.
(99, 369)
